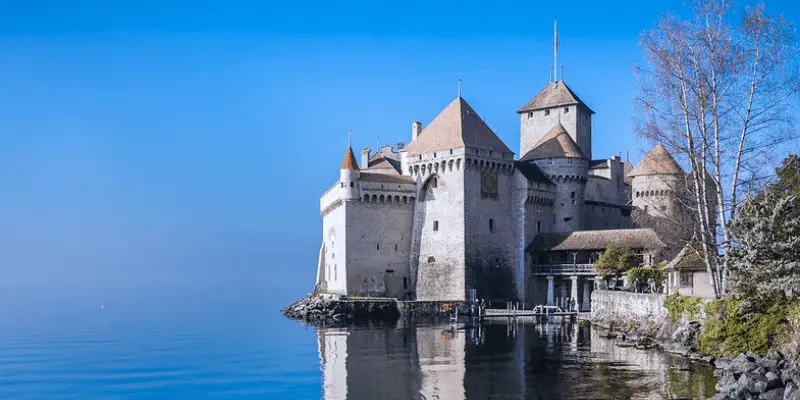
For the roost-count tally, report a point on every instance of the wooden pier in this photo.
(500, 313)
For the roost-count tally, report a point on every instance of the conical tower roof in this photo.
(555, 94)
(657, 162)
(557, 143)
(349, 159)
(458, 125)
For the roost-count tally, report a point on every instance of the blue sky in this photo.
(154, 143)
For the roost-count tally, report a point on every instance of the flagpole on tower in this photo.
(555, 51)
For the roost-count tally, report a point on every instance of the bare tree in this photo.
(718, 92)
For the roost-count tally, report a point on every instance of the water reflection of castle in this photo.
(519, 361)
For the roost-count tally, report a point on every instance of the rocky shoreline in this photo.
(315, 309)
(748, 376)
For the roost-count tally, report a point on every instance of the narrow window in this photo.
(351, 184)
(342, 184)
(491, 225)
(405, 283)
(546, 112)
(335, 273)
(395, 247)
(451, 152)
(566, 110)
(530, 114)
(549, 160)
(434, 155)
(569, 160)
(538, 226)
(572, 195)
(645, 208)
(378, 246)
(435, 225)
(573, 202)
(490, 153)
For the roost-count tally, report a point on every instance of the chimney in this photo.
(365, 158)
(416, 129)
(400, 146)
(386, 150)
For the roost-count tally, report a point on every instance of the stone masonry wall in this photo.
(437, 253)
(491, 228)
(569, 175)
(378, 247)
(622, 307)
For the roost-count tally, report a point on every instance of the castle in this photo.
(455, 216)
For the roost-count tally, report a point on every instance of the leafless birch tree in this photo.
(718, 90)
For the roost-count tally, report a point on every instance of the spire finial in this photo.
(459, 87)
(349, 137)
(378, 144)
(555, 51)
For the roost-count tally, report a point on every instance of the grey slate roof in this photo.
(378, 161)
(553, 95)
(532, 173)
(458, 125)
(598, 164)
(657, 162)
(385, 178)
(557, 143)
(597, 240)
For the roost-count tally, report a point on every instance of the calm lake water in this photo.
(208, 342)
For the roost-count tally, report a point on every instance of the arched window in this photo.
(374, 198)
(405, 199)
(382, 199)
(389, 199)
(366, 197)
(431, 259)
(412, 198)
(397, 199)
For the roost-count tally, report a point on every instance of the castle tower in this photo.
(461, 221)
(655, 183)
(565, 163)
(555, 104)
(349, 174)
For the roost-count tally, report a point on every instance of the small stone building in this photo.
(686, 275)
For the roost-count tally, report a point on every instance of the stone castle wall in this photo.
(437, 253)
(491, 228)
(569, 175)
(379, 240)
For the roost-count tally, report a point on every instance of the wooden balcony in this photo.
(564, 269)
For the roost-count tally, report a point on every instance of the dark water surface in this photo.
(232, 343)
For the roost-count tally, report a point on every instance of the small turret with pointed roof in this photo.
(657, 162)
(349, 159)
(349, 175)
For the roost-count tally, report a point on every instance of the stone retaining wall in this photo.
(610, 306)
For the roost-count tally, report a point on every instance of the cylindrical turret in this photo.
(348, 176)
(655, 183)
(570, 176)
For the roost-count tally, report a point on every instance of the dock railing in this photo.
(564, 269)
